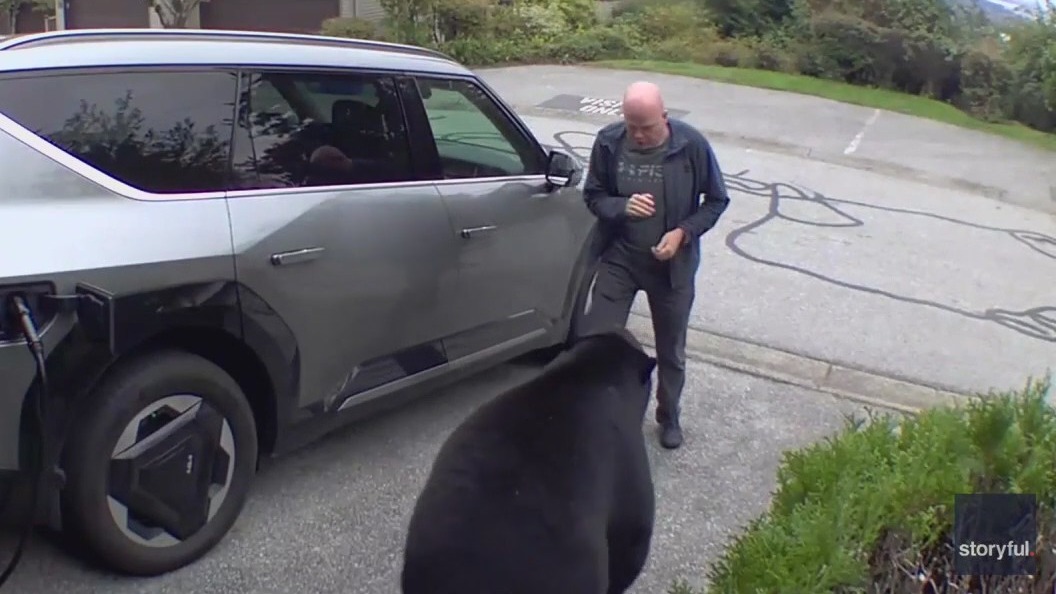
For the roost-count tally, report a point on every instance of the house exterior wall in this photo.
(85, 14)
(26, 21)
(368, 10)
(304, 16)
(301, 16)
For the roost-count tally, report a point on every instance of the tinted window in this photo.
(309, 129)
(473, 136)
(161, 132)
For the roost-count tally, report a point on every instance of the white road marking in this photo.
(857, 140)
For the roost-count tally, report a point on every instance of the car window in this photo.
(158, 131)
(473, 136)
(308, 129)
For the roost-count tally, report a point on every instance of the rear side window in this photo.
(162, 132)
(313, 129)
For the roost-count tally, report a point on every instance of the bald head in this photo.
(643, 97)
(644, 114)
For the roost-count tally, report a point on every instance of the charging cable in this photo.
(43, 458)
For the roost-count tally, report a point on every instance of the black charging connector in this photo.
(19, 313)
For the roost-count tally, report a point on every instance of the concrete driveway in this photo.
(918, 266)
(330, 519)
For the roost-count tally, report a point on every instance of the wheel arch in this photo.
(233, 328)
(589, 254)
(231, 354)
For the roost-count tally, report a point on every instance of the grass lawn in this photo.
(868, 97)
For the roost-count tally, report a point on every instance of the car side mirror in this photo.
(562, 170)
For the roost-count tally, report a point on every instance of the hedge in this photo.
(870, 509)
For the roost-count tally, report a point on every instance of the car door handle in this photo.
(471, 231)
(297, 256)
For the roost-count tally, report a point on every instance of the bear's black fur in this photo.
(546, 489)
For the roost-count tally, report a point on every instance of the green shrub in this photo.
(984, 84)
(351, 28)
(697, 47)
(463, 18)
(480, 51)
(773, 55)
(843, 48)
(545, 21)
(661, 21)
(854, 512)
(599, 43)
(506, 22)
(675, 49)
(1031, 54)
(578, 14)
(731, 53)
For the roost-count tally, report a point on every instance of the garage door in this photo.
(82, 14)
(300, 16)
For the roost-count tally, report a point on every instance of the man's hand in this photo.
(641, 206)
(669, 244)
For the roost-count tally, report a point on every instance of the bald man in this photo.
(646, 177)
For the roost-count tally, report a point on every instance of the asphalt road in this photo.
(330, 519)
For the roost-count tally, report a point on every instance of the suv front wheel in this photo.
(160, 464)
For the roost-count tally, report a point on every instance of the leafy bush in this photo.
(985, 78)
(662, 21)
(602, 43)
(1031, 54)
(599, 43)
(770, 55)
(463, 18)
(730, 53)
(872, 507)
(843, 48)
(578, 14)
(351, 28)
(542, 20)
(486, 52)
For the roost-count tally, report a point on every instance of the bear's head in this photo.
(621, 357)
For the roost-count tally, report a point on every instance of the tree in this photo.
(12, 8)
(174, 14)
(116, 139)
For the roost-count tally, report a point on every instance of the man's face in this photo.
(645, 128)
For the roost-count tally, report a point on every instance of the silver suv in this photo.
(230, 243)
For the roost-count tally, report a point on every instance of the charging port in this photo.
(37, 298)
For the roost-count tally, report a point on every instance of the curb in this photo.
(814, 374)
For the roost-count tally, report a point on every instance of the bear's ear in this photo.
(647, 368)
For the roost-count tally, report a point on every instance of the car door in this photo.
(517, 246)
(336, 232)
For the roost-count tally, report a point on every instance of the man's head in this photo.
(644, 114)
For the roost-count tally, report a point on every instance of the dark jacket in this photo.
(690, 170)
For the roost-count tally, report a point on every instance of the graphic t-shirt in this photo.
(641, 171)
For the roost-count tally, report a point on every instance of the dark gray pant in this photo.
(620, 277)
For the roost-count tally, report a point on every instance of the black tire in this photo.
(131, 389)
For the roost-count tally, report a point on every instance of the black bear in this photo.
(546, 489)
